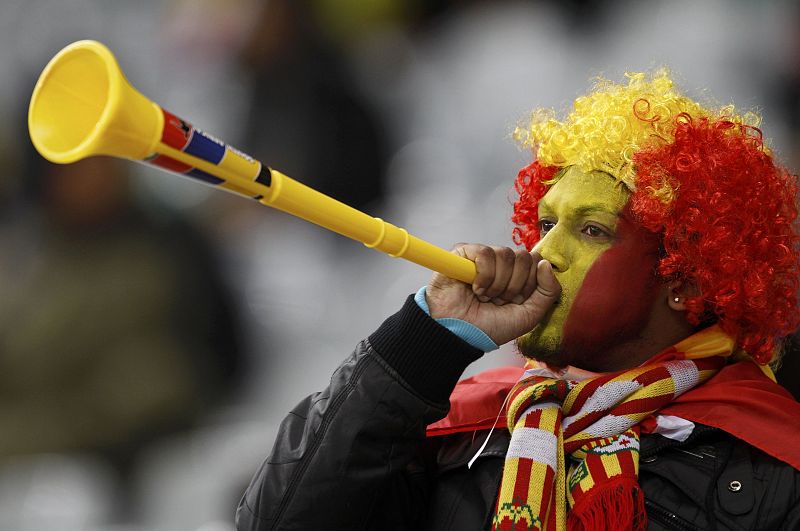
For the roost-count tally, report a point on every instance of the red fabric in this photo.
(476, 401)
(739, 400)
(618, 506)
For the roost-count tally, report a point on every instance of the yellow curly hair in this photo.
(614, 121)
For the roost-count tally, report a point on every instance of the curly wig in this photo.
(703, 179)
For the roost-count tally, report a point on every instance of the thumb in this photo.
(547, 290)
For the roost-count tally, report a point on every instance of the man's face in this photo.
(605, 263)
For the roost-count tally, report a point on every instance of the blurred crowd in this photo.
(153, 332)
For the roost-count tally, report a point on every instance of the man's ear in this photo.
(677, 292)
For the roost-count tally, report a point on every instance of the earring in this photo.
(677, 299)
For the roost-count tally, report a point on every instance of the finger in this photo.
(547, 290)
(503, 269)
(523, 264)
(531, 282)
(484, 259)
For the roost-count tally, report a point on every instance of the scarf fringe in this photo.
(620, 506)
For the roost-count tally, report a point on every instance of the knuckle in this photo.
(505, 253)
(523, 257)
(548, 292)
(461, 249)
(484, 253)
(545, 292)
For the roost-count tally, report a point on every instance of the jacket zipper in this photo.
(668, 519)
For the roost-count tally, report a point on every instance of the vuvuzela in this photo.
(82, 105)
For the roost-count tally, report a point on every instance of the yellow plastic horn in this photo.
(82, 105)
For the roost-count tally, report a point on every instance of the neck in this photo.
(664, 328)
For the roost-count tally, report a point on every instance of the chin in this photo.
(546, 349)
(553, 351)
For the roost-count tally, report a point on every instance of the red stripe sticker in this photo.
(177, 132)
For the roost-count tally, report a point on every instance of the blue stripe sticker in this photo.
(205, 147)
(203, 176)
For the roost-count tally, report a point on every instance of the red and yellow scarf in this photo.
(591, 427)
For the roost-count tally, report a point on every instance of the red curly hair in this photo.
(726, 213)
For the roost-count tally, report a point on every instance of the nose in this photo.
(551, 248)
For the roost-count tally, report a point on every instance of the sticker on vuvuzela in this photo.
(182, 136)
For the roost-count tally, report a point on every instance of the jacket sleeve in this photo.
(341, 452)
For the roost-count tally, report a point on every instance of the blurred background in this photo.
(154, 332)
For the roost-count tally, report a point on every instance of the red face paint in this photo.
(615, 300)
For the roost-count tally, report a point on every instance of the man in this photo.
(660, 271)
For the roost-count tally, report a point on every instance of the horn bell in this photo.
(82, 105)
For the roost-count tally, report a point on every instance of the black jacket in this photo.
(355, 456)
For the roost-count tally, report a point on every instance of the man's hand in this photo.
(512, 291)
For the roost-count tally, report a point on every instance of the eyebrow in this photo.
(584, 210)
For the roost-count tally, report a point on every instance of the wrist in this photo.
(468, 332)
(440, 305)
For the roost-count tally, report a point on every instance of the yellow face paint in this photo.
(581, 220)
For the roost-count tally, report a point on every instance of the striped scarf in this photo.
(594, 423)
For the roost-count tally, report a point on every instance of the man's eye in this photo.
(594, 231)
(545, 226)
